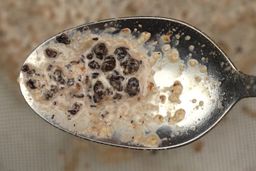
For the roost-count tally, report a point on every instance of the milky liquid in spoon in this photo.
(125, 90)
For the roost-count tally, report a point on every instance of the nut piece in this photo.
(173, 55)
(178, 116)
(162, 98)
(176, 91)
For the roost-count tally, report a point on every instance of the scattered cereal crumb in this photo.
(166, 48)
(144, 37)
(203, 69)
(187, 37)
(198, 78)
(193, 62)
(126, 31)
(162, 98)
(201, 103)
(152, 140)
(173, 56)
(181, 67)
(194, 101)
(166, 38)
(178, 116)
(159, 118)
(176, 91)
(191, 47)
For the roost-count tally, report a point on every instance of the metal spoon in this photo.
(234, 85)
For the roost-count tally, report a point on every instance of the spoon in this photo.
(189, 42)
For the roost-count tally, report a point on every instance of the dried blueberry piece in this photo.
(25, 68)
(49, 67)
(95, 75)
(130, 66)
(116, 82)
(100, 50)
(31, 84)
(48, 95)
(58, 76)
(78, 95)
(132, 87)
(95, 38)
(94, 65)
(75, 108)
(108, 92)
(31, 72)
(97, 98)
(98, 88)
(89, 56)
(117, 96)
(108, 64)
(70, 81)
(54, 88)
(63, 38)
(51, 53)
(121, 53)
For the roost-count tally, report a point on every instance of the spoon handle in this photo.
(248, 85)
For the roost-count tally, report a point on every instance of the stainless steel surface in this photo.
(24, 137)
(234, 85)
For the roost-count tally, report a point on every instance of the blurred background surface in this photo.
(27, 143)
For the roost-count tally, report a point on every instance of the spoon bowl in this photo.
(190, 42)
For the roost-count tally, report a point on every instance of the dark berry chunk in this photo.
(130, 66)
(48, 95)
(75, 108)
(63, 38)
(100, 50)
(54, 89)
(95, 75)
(51, 53)
(58, 76)
(132, 87)
(121, 53)
(78, 95)
(98, 88)
(49, 67)
(117, 96)
(108, 64)
(94, 65)
(31, 84)
(89, 56)
(97, 98)
(25, 68)
(70, 81)
(108, 92)
(95, 38)
(116, 82)
(31, 72)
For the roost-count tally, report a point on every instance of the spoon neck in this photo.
(247, 85)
